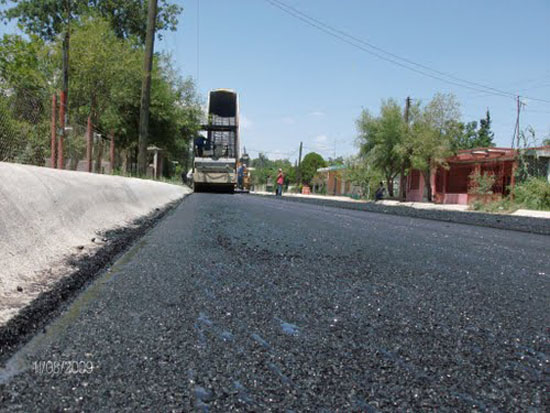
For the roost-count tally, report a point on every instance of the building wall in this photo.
(334, 183)
(451, 185)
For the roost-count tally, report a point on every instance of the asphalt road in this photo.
(241, 303)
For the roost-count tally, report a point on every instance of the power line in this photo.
(353, 41)
(271, 152)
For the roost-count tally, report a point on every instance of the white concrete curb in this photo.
(47, 214)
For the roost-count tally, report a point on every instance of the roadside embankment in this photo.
(51, 218)
(536, 222)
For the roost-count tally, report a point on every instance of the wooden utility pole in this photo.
(402, 189)
(515, 138)
(146, 88)
(300, 164)
(64, 96)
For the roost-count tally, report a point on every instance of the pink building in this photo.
(451, 185)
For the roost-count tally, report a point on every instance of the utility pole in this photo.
(300, 164)
(516, 136)
(402, 194)
(64, 96)
(146, 87)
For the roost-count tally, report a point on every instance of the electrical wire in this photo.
(394, 59)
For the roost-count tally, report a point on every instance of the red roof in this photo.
(483, 155)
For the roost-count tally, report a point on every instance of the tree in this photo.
(265, 167)
(362, 173)
(431, 135)
(48, 18)
(467, 138)
(101, 63)
(26, 68)
(311, 162)
(380, 137)
(485, 135)
(339, 160)
(470, 137)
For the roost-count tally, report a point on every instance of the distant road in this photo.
(252, 304)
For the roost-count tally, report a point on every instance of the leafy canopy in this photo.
(311, 162)
(380, 137)
(471, 137)
(48, 18)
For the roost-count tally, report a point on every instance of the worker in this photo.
(379, 194)
(280, 182)
(200, 143)
(240, 176)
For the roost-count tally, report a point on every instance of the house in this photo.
(451, 185)
(332, 180)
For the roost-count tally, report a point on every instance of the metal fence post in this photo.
(53, 144)
(89, 140)
(112, 152)
(62, 103)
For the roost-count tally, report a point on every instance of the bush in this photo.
(503, 206)
(533, 193)
(481, 183)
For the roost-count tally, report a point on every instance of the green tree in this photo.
(471, 137)
(101, 64)
(311, 162)
(26, 68)
(265, 167)
(48, 18)
(431, 134)
(380, 138)
(467, 138)
(339, 160)
(360, 171)
(485, 135)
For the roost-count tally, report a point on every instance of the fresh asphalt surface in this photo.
(235, 302)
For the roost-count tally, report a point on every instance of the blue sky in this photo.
(299, 84)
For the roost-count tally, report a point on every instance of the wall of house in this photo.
(334, 183)
(416, 186)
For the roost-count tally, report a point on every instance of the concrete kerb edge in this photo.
(50, 304)
(532, 225)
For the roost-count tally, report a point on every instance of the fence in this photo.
(34, 129)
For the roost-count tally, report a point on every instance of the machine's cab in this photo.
(216, 149)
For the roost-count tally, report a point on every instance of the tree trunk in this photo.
(402, 194)
(124, 156)
(146, 88)
(98, 163)
(389, 185)
(427, 184)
